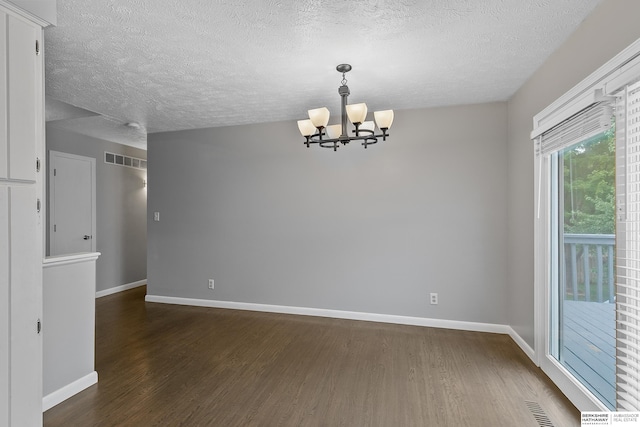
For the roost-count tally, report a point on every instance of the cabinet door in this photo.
(4, 305)
(4, 171)
(22, 64)
(26, 307)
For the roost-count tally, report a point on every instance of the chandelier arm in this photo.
(359, 132)
(368, 139)
(316, 139)
(330, 143)
(363, 137)
(309, 140)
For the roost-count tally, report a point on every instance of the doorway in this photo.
(72, 204)
(583, 327)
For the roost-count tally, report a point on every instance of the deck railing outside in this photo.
(589, 267)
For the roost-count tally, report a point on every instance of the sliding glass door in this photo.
(582, 246)
(587, 238)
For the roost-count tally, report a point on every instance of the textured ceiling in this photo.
(180, 64)
(58, 110)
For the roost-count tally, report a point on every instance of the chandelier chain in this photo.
(344, 79)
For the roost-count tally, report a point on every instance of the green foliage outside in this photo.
(589, 186)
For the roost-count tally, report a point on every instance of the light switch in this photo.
(156, 216)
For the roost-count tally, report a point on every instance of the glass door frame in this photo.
(544, 298)
(611, 77)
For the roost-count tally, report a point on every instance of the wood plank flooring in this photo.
(167, 365)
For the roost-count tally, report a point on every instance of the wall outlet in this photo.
(433, 298)
(210, 283)
(156, 216)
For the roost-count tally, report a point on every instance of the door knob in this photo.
(86, 237)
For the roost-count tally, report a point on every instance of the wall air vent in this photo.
(120, 160)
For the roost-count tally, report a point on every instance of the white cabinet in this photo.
(4, 305)
(21, 144)
(26, 307)
(4, 144)
(20, 96)
(22, 62)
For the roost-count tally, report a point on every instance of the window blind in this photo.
(628, 250)
(579, 127)
(588, 123)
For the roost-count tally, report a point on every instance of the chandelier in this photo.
(316, 128)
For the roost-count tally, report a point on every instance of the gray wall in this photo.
(121, 207)
(608, 30)
(370, 230)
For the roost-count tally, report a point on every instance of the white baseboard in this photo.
(62, 394)
(523, 345)
(337, 314)
(122, 288)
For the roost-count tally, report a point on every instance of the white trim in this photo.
(541, 255)
(603, 82)
(25, 14)
(522, 344)
(62, 394)
(581, 397)
(336, 314)
(70, 259)
(17, 182)
(121, 288)
(576, 392)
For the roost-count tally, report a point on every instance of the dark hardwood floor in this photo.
(168, 365)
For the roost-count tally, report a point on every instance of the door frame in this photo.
(603, 82)
(575, 391)
(50, 196)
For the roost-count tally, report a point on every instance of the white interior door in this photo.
(72, 222)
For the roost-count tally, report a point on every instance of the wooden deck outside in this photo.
(588, 346)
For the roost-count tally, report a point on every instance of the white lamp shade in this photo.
(367, 126)
(334, 131)
(306, 127)
(357, 112)
(319, 117)
(384, 119)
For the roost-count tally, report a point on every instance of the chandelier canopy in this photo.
(316, 128)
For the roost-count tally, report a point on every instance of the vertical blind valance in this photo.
(589, 122)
